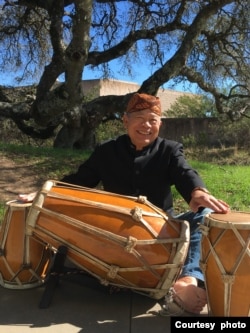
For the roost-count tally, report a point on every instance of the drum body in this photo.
(24, 261)
(122, 241)
(225, 261)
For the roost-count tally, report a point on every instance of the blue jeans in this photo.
(192, 263)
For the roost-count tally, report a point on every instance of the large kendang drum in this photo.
(120, 240)
(225, 261)
(24, 260)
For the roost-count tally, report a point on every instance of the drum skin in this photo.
(225, 261)
(118, 239)
(24, 261)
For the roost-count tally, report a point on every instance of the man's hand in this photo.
(206, 200)
(27, 197)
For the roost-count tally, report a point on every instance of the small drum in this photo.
(122, 241)
(24, 261)
(225, 262)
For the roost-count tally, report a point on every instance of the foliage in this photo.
(196, 106)
(234, 130)
(223, 133)
(11, 134)
(109, 130)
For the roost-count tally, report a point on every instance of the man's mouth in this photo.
(144, 133)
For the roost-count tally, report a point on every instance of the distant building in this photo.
(103, 87)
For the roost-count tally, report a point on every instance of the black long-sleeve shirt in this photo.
(149, 172)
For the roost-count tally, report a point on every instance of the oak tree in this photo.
(204, 42)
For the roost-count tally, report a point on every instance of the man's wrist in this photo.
(203, 189)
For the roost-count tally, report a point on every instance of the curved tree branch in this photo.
(174, 66)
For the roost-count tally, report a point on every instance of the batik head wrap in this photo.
(140, 102)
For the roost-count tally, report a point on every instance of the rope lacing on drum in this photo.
(204, 229)
(113, 271)
(130, 244)
(136, 214)
(104, 282)
(142, 199)
(227, 278)
(203, 266)
(171, 308)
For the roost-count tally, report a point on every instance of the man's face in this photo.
(142, 127)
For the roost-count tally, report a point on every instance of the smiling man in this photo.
(142, 163)
(143, 120)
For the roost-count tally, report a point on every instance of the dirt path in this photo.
(16, 178)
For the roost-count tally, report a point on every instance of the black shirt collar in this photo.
(143, 151)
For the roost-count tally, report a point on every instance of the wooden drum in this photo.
(120, 240)
(225, 261)
(24, 261)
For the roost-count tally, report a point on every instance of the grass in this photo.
(45, 160)
(226, 182)
(224, 177)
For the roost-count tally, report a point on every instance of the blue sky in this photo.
(141, 71)
(140, 74)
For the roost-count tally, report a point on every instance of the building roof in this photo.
(103, 87)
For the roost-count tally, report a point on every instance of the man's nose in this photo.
(146, 123)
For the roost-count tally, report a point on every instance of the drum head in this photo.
(240, 220)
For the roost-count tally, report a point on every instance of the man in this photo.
(142, 163)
